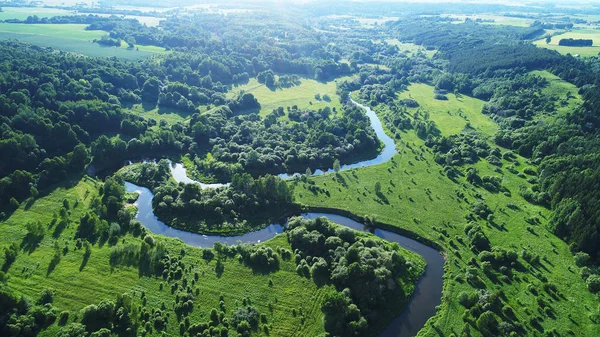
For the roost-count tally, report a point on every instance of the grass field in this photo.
(497, 19)
(410, 48)
(421, 199)
(21, 13)
(301, 95)
(565, 93)
(591, 34)
(170, 115)
(72, 38)
(451, 116)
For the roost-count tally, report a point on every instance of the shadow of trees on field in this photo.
(31, 242)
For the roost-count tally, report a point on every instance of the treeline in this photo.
(495, 47)
(576, 42)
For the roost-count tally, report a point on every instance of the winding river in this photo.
(427, 294)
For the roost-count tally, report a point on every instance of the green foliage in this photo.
(246, 203)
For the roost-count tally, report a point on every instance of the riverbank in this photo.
(421, 306)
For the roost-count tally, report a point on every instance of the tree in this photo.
(34, 192)
(593, 283)
(487, 323)
(336, 165)
(14, 203)
(73, 330)
(378, 187)
(548, 39)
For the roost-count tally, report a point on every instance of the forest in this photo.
(493, 165)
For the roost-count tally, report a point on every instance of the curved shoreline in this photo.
(421, 305)
(428, 290)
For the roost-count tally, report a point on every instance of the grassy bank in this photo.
(415, 195)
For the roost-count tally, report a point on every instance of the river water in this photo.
(427, 294)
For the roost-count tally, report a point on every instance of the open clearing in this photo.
(451, 116)
(564, 92)
(410, 48)
(492, 19)
(72, 38)
(302, 95)
(590, 34)
(170, 115)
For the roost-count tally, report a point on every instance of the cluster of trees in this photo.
(108, 42)
(367, 273)
(576, 42)
(247, 203)
(20, 317)
(271, 145)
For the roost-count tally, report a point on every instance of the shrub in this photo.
(64, 317)
(581, 259)
(593, 283)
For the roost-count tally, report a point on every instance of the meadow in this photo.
(451, 115)
(21, 13)
(564, 92)
(73, 38)
(169, 115)
(302, 95)
(497, 19)
(417, 196)
(410, 49)
(588, 34)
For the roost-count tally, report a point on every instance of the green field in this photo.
(565, 93)
(21, 13)
(302, 95)
(410, 48)
(590, 34)
(451, 116)
(497, 19)
(170, 115)
(418, 197)
(72, 38)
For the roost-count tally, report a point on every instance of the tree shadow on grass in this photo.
(60, 227)
(29, 203)
(31, 242)
(53, 263)
(86, 258)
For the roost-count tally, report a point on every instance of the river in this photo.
(428, 291)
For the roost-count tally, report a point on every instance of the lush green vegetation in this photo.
(247, 204)
(179, 288)
(497, 165)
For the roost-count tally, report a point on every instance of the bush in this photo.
(593, 283)
(581, 259)
(63, 318)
